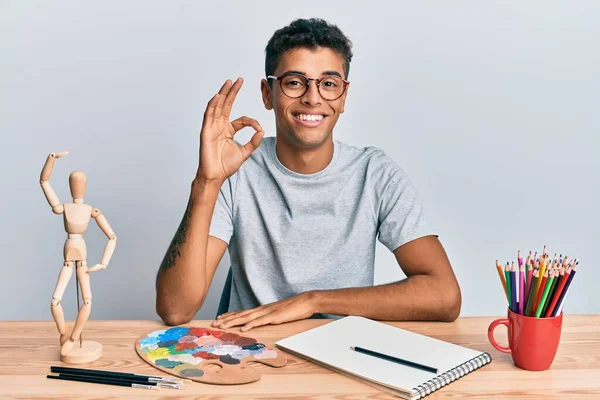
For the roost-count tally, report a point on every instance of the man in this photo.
(300, 212)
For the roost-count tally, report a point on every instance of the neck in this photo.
(304, 161)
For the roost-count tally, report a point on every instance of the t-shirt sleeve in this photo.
(221, 224)
(401, 217)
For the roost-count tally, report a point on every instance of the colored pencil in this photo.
(559, 288)
(561, 300)
(555, 282)
(502, 279)
(539, 281)
(537, 286)
(543, 263)
(531, 290)
(529, 277)
(540, 307)
(514, 288)
(540, 292)
(508, 288)
(521, 288)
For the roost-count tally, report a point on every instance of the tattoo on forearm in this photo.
(179, 238)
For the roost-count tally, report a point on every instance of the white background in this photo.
(490, 107)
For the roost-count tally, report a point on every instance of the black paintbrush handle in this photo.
(104, 381)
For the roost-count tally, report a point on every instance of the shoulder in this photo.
(377, 164)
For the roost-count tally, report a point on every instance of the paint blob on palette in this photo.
(207, 355)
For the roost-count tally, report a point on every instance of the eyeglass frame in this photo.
(318, 83)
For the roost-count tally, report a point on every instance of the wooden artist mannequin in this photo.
(76, 217)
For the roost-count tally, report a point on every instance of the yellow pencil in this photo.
(542, 270)
(502, 280)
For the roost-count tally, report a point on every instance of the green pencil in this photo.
(544, 295)
(557, 277)
(507, 274)
(530, 299)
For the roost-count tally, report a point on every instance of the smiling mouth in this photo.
(310, 120)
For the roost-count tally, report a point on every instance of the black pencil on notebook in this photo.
(104, 381)
(395, 359)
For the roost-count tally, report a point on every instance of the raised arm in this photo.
(190, 262)
(110, 245)
(57, 207)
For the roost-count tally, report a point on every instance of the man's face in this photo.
(305, 122)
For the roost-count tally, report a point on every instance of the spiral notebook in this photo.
(329, 345)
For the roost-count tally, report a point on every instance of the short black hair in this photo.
(310, 34)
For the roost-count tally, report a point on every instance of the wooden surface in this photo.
(28, 349)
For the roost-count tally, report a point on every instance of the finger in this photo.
(244, 122)
(230, 313)
(235, 314)
(252, 144)
(230, 98)
(61, 154)
(240, 312)
(241, 320)
(222, 94)
(264, 320)
(209, 113)
(223, 316)
(227, 314)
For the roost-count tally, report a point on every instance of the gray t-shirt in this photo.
(288, 233)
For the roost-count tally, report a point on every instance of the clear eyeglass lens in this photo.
(295, 86)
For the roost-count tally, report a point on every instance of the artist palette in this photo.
(188, 351)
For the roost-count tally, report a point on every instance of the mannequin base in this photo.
(88, 352)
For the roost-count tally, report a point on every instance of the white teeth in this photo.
(309, 117)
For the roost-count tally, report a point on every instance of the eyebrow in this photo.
(328, 73)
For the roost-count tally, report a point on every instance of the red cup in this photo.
(532, 342)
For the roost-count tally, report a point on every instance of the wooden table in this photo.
(28, 349)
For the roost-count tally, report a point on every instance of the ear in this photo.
(265, 89)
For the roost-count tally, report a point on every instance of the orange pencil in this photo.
(502, 280)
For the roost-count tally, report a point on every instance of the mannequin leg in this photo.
(59, 291)
(84, 312)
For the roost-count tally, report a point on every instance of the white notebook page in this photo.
(330, 344)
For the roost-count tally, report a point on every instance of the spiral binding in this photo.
(450, 376)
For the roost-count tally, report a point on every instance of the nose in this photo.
(312, 97)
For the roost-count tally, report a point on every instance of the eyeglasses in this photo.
(295, 85)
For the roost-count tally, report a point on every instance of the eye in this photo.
(294, 82)
(330, 82)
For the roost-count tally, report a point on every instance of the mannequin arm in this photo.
(51, 196)
(112, 238)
